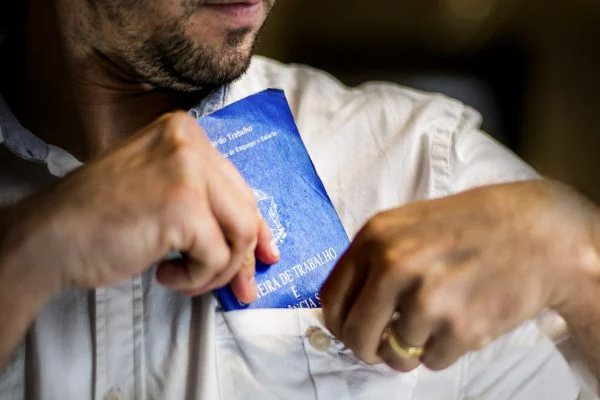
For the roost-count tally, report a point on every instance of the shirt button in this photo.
(319, 339)
(115, 395)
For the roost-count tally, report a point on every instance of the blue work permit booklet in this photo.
(259, 135)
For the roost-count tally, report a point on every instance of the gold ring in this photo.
(402, 351)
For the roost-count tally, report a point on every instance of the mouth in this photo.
(238, 13)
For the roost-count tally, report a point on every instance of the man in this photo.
(451, 283)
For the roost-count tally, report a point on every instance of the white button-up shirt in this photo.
(375, 148)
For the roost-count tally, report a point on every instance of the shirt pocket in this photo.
(288, 354)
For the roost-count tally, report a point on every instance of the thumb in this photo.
(266, 250)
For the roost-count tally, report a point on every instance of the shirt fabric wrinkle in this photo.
(266, 354)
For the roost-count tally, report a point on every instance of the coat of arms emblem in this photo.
(269, 211)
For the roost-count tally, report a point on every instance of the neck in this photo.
(75, 99)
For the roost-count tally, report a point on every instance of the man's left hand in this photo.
(443, 277)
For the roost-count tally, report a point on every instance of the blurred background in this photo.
(531, 67)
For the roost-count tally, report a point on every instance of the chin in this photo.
(185, 63)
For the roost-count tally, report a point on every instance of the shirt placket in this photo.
(119, 330)
(322, 351)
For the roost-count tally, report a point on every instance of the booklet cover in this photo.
(259, 135)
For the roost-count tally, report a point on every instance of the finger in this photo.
(372, 311)
(243, 283)
(174, 274)
(266, 249)
(220, 280)
(442, 349)
(238, 220)
(224, 277)
(412, 328)
(237, 180)
(206, 257)
(339, 290)
(393, 359)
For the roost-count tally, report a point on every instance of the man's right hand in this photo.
(166, 188)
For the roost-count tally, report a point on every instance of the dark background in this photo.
(531, 67)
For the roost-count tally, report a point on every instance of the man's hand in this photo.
(165, 189)
(450, 275)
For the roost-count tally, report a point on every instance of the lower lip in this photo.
(240, 14)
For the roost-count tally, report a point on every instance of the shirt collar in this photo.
(26, 145)
(215, 100)
(19, 140)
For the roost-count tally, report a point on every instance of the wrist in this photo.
(28, 275)
(582, 301)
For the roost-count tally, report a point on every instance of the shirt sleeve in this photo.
(475, 159)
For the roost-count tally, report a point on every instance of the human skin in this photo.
(90, 73)
(463, 270)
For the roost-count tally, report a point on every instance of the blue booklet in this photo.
(259, 135)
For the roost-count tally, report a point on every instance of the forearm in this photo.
(25, 287)
(583, 316)
(585, 336)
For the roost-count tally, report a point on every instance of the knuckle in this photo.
(220, 260)
(374, 228)
(439, 303)
(181, 132)
(214, 264)
(392, 264)
(471, 333)
(244, 233)
(424, 307)
(222, 279)
(249, 261)
(390, 260)
(248, 265)
(184, 158)
(433, 303)
(174, 127)
(389, 257)
(178, 228)
(178, 122)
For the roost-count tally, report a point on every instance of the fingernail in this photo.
(275, 250)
